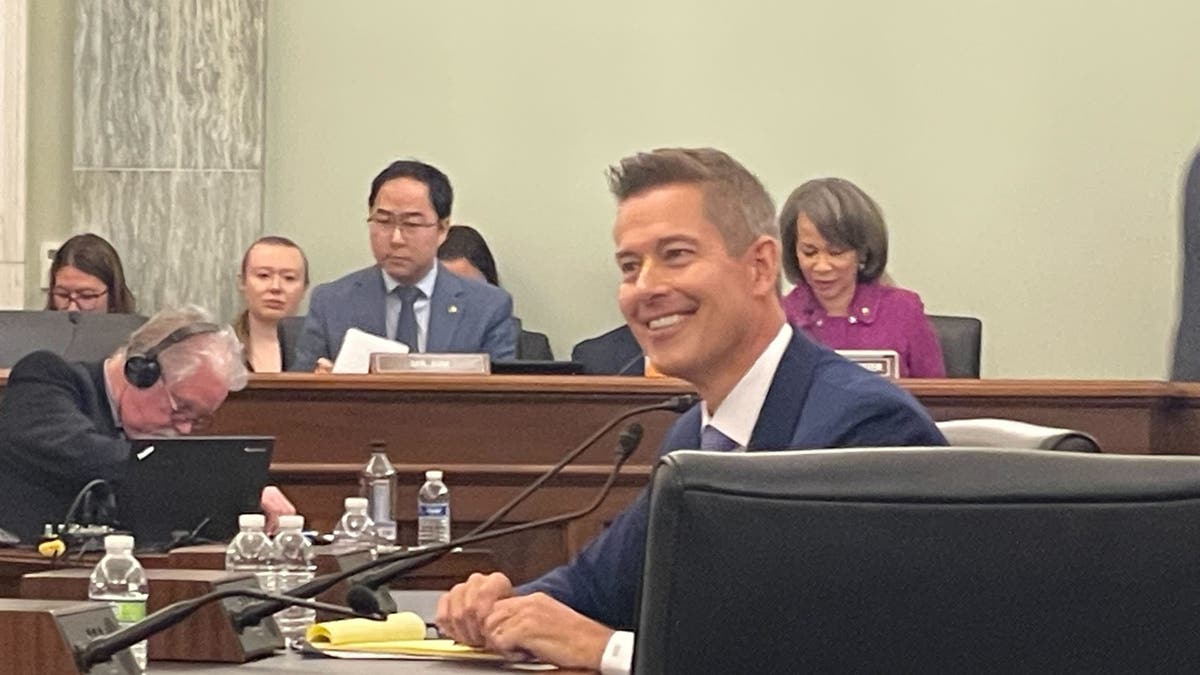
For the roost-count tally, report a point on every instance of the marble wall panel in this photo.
(132, 210)
(126, 52)
(215, 216)
(12, 285)
(169, 142)
(220, 84)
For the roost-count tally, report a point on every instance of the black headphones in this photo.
(143, 370)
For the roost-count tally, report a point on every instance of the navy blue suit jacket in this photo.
(817, 399)
(464, 316)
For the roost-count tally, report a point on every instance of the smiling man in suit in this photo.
(407, 295)
(698, 250)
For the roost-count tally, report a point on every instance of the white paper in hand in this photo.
(357, 347)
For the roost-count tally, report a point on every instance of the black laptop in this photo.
(191, 484)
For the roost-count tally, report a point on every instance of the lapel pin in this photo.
(453, 309)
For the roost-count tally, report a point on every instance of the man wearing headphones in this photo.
(64, 424)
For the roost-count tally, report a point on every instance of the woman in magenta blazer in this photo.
(835, 251)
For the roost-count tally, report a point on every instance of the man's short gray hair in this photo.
(220, 352)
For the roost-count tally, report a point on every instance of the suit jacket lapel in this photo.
(786, 397)
(445, 311)
(369, 313)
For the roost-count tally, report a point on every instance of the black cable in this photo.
(68, 519)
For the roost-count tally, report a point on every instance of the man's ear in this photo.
(762, 259)
(443, 230)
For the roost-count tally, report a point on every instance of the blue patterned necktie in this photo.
(406, 325)
(712, 439)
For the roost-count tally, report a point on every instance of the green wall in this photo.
(1028, 154)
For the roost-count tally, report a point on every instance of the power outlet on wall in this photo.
(46, 253)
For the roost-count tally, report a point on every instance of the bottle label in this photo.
(381, 502)
(129, 611)
(433, 510)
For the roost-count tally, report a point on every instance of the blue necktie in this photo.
(712, 439)
(406, 325)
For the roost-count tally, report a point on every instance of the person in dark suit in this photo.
(613, 353)
(465, 252)
(698, 250)
(64, 424)
(408, 295)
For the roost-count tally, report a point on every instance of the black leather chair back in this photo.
(289, 330)
(921, 560)
(76, 336)
(961, 338)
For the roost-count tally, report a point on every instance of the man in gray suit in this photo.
(408, 296)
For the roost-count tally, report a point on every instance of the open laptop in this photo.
(180, 483)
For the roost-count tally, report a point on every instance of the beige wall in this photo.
(1028, 153)
(48, 190)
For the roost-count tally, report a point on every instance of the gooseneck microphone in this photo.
(370, 582)
(104, 648)
(251, 615)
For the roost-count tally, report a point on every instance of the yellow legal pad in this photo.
(401, 636)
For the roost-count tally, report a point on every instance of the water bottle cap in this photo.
(377, 446)
(433, 474)
(118, 542)
(254, 520)
(291, 522)
(356, 503)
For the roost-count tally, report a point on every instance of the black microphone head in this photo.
(630, 439)
(682, 403)
(362, 600)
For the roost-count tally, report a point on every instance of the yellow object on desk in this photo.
(399, 626)
(401, 636)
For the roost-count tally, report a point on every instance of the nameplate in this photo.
(446, 364)
(883, 362)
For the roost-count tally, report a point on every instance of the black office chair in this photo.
(961, 338)
(988, 432)
(532, 346)
(1186, 366)
(76, 336)
(921, 560)
(289, 330)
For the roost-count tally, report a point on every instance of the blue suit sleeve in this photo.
(314, 341)
(500, 334)
(602, 581)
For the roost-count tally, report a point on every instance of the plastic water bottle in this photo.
(378, 485)
(293, 567)
(251, 551)
(355, 527)
(119, 579)
(433, 510)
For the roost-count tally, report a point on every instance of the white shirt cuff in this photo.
(618, 654)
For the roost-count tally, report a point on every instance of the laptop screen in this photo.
(191, 483)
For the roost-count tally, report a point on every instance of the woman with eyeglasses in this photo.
(86, 276)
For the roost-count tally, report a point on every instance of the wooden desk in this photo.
(493, 435)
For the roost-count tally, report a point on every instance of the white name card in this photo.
(446, 364)
(885, 362)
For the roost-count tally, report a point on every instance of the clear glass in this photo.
(119, 579)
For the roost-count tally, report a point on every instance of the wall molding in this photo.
(14, 29)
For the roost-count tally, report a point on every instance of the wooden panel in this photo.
(493, 435)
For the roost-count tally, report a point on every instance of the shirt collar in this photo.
(425, 284)
(738, 413)
(864, 306)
